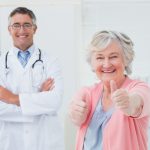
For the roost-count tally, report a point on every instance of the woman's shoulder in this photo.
(92, 88)
(88, 92)
(131, 83)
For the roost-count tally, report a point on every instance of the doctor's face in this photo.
(22, 30)
(108, 64)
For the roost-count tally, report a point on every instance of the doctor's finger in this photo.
(49, 81)
(47, 85)
(51, 87)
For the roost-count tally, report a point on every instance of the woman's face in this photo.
(108, 64)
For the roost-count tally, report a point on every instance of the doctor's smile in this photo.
(31, 90)
(22, 29)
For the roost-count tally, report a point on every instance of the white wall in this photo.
(130, 17)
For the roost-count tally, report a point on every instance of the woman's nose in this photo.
(106, 63)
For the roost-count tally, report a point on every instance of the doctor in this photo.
(30, 90)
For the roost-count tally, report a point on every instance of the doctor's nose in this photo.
(22, 28)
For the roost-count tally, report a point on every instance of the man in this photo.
(29, 97)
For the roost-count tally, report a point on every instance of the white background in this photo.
(128, 17)
(65, 28)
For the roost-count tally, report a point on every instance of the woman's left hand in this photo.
(129, 103)
(120, 97)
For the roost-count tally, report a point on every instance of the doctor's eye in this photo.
(27, 26)
(17, 26)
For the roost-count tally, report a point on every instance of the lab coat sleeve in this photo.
(47, 102)
(12, 113)
(9, 112)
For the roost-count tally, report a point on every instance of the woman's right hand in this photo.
(78, 111)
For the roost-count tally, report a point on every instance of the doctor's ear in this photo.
(9, 30)
(35, 28)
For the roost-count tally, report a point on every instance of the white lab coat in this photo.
(34, 125)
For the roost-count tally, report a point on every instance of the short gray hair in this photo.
(103, 38)
(24, 11)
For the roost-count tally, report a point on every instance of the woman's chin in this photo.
(107, 80)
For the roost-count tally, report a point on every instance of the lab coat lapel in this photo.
(12, 61)
(33, 58)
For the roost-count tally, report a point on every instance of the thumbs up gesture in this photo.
(78, 111)
(129, 103)
(120, 97)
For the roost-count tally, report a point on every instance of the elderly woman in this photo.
(113, 114)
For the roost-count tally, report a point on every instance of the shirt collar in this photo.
(31, 49)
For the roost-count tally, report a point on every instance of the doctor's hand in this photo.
(129, 103)
(47, 85)
(78, 111)
(7, 96)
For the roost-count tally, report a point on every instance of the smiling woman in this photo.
(116, 103)
(110, 57)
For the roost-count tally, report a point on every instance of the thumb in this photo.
(113, 86)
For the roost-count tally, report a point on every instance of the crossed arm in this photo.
(11, 98)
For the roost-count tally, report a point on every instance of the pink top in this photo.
(121, 132)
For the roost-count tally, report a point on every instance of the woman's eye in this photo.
(112, 57)
(99, 58)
